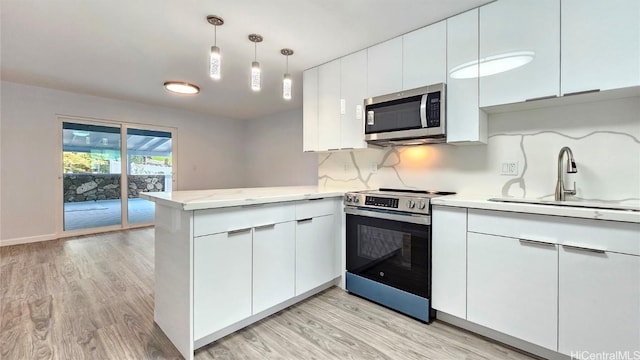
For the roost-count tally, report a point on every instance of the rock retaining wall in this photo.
(87, 187)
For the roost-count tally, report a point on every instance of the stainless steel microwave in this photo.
(410, 117)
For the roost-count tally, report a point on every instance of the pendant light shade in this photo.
(256, 75)
(286, 79)
(215, 59)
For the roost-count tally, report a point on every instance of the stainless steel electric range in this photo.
(388, 239)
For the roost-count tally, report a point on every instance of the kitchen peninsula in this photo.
(227, 258)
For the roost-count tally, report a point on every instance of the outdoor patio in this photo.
(90, 214)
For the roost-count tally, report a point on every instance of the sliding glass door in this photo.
(92, 176)
(149, 168)
(96, 194)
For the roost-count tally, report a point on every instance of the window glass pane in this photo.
(149, 169)
(91, 176)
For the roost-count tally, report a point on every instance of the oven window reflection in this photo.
(384, 245)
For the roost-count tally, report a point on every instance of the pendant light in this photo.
(286, 79)
(255, 65)
(214, 55)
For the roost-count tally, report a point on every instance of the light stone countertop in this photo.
(481, 202)
(219, 198)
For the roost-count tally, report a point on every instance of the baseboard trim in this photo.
(28, 239)
(501, 337)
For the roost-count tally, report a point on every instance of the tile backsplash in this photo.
(604, 137)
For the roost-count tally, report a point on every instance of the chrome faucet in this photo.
(561, 192)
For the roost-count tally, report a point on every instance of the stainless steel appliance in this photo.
(388, 240)
(410, 117)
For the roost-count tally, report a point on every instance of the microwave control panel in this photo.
(433, 109)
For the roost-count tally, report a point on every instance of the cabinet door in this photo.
(316, 260)
(600, 44)
(329, 106)
(449, 260)
(353, 89)
(273, 265)
(310, 110)
(599, 304)
(513, 287)
(221, 281)
(465, 121)
(509, 27)
(384, 68)
(424, 56)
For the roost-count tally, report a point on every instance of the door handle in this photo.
(580, 248)
(238, 232)
(265, 227)
(535, 242)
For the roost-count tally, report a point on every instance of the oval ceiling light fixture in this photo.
(181, 87)
(491, 65)
(214, 56)
(81, 133)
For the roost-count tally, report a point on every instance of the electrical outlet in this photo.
(373, 168)
(509, 168)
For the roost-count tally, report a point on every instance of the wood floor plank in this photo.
(91, 297)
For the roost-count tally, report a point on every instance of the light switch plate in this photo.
(343, 107)
(509, 168)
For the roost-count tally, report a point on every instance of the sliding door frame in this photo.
(124, 185)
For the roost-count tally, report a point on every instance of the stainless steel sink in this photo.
(570, 203)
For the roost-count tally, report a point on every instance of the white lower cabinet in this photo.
(449, 260)
(316, 253)
(599, 302)
(221, 280)
(513, 287)
(273, 265)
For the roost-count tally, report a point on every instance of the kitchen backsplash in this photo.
(604, 137)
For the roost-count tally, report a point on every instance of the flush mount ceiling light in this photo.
(491, 65)
(286, 79)
(214, 55)
(255, 65)
(81, 133)
(181, 87)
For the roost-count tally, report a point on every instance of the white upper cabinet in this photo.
(310, 109)
(515, 30)
(384, 68)
(424, 56)
(353, 91)
(329, 106)
(600, 44)
(465, 121)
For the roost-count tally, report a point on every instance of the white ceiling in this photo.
(127, 49)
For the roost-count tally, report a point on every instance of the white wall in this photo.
(274, 154)
(209, 151)
(604, 137)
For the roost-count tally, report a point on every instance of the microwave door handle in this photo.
(423, 111)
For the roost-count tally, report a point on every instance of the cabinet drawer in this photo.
(314, 208)
(591, 234)
(214, 221)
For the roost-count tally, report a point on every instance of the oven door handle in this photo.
(409, 218)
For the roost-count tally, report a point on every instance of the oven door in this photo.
(392, 248)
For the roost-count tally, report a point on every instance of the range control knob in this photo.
(411, 204)
(348, 198)
(356, 199)
(421, 205)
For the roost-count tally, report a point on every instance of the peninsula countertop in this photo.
(219, 198)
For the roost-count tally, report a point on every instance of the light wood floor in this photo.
(92, 298)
